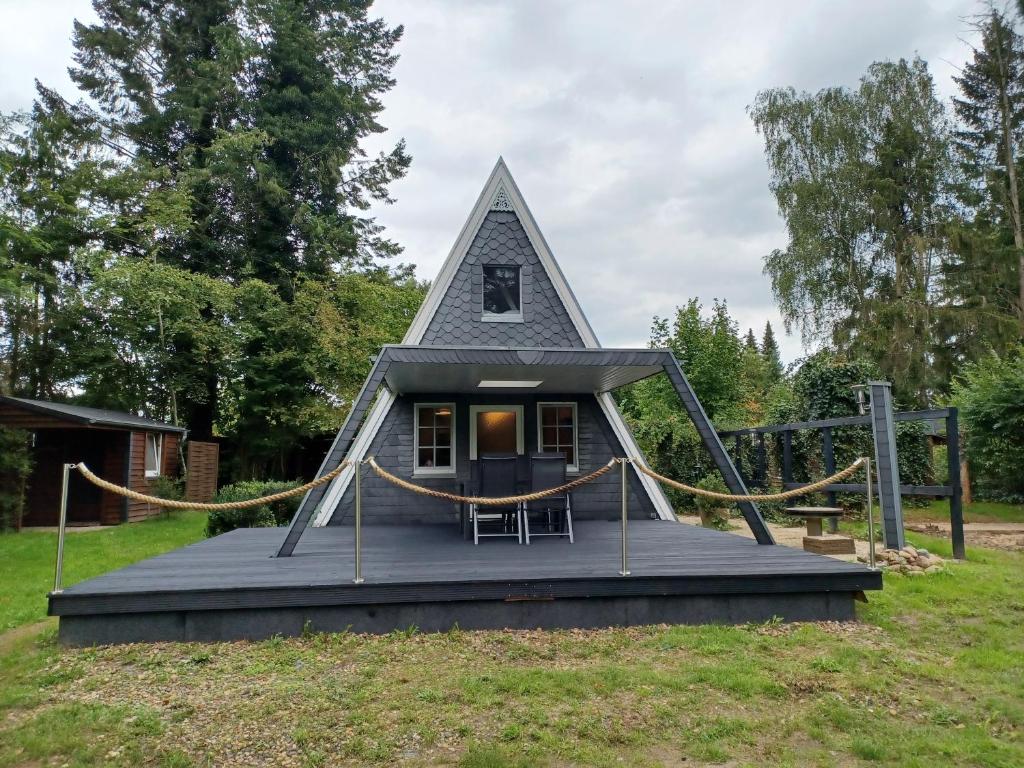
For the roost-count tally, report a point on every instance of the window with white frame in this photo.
(154, 451)
(435, 439)
(557, 429)
(503, 295)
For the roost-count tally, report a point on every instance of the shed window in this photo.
(435, 442)
(154, 450)
(556, 431)
(503, 298)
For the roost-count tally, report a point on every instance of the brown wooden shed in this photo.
(120, 447)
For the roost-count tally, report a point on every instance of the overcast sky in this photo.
(624, 125)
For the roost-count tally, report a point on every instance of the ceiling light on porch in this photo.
(508, 384)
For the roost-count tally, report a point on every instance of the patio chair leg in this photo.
(476, 524)
(568, 518)
(526, 522)
(519, 523)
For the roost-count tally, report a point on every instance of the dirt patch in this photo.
(12, 637)
(1005, 536)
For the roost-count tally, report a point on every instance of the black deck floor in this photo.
(403, 564)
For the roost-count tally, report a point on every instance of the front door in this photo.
(495, 429)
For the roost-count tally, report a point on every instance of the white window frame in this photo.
(571, 468)
(417, 470)
(158, 449)
(505, 317)
(516, 409)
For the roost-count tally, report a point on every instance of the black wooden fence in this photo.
(759, 479)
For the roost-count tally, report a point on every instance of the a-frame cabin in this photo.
(442, 398)
(499, 360)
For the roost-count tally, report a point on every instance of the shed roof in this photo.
(99, 417)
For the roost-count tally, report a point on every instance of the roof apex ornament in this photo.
(501, 201)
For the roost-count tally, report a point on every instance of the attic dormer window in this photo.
(503, 293)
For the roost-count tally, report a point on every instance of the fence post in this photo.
(887, 464)
(762, 462)
(830, 468)
(787, 457)
(871, 515)
(58, 576)
(624, 463)
(956, 508)
(359, 523)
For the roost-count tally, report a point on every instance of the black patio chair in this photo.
(496, 476)
(547, 470)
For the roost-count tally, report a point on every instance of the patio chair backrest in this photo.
(498, 475)
(547, 470)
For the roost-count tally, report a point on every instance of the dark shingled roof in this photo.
(92, 416)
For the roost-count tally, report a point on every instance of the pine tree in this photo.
(989, 141)
(52, 184)
(770, 353)
(750, 341)
(253, 112)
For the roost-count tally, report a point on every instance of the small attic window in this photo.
(503, 294)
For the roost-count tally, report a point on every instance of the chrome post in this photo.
(871, 516)
(359, 524)
(624, 463)
(58, 576)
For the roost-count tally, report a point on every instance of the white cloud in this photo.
(624, 124)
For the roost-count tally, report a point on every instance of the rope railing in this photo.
(781, 496)
(478, 500)
(444, 495)
(176, 504)
(493, 501)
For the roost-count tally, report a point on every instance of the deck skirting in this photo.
(580, 613)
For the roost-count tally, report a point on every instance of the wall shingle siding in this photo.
(502, 240)
(393, 449)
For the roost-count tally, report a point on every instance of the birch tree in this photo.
(863, 180)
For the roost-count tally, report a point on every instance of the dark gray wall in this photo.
(501, 239)
(393, 448)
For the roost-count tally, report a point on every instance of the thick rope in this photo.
(802, 491)
(175, 504)
(485, 501)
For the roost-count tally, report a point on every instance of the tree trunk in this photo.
(1011, 172)
(965, 482)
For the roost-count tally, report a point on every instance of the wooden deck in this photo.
(232, 587)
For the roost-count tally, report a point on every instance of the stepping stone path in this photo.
(909, 560)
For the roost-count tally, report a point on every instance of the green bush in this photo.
(990, 395)
(15, 467)
(263, 516)
(167, 488)
(713, 512)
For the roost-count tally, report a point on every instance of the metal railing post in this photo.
(624, 463)
(871, 516)
(359, 524)
(58, 575)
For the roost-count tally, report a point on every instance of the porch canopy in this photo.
(496, 370)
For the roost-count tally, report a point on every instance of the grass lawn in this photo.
(978, 512)
(27, 559)
(933, 675)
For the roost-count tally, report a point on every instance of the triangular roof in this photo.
(500, 193)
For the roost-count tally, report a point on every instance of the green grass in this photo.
(932, 675)
(27, 559)
(977, 512)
